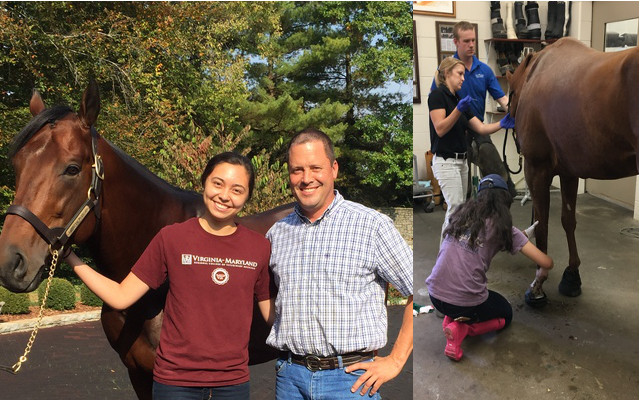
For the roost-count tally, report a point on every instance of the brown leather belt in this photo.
(315, 363)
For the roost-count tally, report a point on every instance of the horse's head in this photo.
(52, 158)
(516, 82)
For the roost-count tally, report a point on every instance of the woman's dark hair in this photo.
(470, 218)
(230, 158)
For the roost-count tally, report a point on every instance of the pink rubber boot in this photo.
(480, 328)
(455, 333)
(446, 321)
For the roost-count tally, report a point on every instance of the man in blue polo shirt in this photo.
(478, 79)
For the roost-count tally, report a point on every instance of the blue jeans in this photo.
(296, 382)
(168, 392)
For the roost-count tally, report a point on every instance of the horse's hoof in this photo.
(535, 301)
(570, 283)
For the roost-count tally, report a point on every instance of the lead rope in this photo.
(16, 367)
(504, 151)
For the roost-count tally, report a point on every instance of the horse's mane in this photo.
(52, 114)
(143, 170)
(47, 116)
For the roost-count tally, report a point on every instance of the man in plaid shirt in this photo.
(331, 260)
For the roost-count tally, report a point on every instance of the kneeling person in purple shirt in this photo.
(477, 231)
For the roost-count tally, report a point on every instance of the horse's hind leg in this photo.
(570, 283)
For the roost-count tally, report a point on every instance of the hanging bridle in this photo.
(57, 238)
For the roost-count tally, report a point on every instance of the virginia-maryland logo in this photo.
(220, 276)
(187, 259)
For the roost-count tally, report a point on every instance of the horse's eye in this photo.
(72, 170)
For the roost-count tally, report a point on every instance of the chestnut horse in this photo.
(576, 112)
(63, 165)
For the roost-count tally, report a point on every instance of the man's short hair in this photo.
(462, 26)
(309, 135)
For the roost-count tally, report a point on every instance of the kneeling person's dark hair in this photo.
(469, 218)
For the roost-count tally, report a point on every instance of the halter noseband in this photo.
(57, 238)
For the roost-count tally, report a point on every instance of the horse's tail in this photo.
(631, 76)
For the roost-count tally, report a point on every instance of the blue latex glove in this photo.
(464, 104)
(507, 122)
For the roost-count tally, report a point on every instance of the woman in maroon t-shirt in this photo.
(215, 269)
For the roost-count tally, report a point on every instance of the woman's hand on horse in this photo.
(464, 104)
(507, 122)
(542, 274)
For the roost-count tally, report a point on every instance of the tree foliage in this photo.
(182, 81)
(340, 59)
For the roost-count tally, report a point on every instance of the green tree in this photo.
(171, 79)
(336, 61)
(181, 81)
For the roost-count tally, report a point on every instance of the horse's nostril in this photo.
(19, 266)
(19, 260)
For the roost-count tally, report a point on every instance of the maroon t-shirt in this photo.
(207, 317)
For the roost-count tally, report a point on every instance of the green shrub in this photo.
(394, 297)
(88, 298)
(64, 271)
(62, 295)
(15, 303)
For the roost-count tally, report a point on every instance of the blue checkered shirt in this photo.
(331, 277)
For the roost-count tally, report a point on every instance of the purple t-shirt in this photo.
(460, 274)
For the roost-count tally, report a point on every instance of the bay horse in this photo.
(63, 165)
(576, 112)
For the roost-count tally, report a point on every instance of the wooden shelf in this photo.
(541, 41)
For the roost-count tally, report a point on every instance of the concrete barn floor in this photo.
(582, 348)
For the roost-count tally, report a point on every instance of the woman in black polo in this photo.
(449, 118)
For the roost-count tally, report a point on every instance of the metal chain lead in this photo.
(54, 261)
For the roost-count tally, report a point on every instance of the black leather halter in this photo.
(58, 237)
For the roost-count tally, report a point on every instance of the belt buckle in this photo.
(310, 361)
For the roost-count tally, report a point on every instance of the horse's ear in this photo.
(90, 106)
(36, 105)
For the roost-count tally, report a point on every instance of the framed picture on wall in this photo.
(416, 71)
(436, 8)
(620, 35)
(444, 39)
(444, 55)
